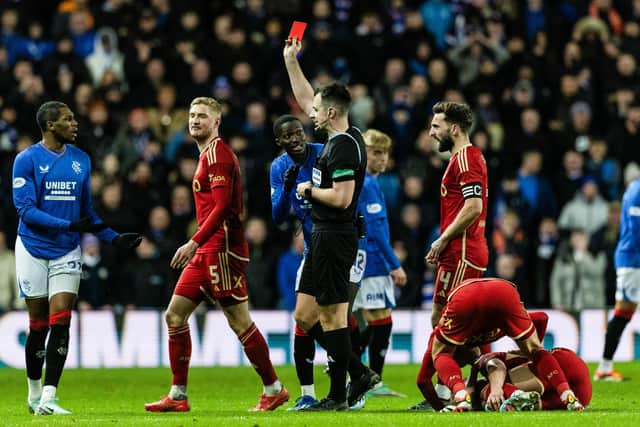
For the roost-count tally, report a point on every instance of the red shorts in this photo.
(218, 276)
(577, 374)
(481, 311)
(450, 275)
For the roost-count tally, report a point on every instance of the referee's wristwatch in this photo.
(307, 193)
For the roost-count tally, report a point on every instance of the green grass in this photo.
(221, 397)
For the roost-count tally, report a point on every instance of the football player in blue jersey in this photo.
(293, 166)
(627, 263)
(376, 297)
(51, 193)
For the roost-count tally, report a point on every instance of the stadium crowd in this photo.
(554, 86)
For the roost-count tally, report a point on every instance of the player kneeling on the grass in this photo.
(514, 385)
(53, 201)
(376, 297)
(214, 262)
(478, 312)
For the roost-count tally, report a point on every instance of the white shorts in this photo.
(628, 284)
(39, 277)
(355, 275)
(375, 293)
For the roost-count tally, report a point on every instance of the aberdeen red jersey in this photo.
(217, 190)
(465, 177)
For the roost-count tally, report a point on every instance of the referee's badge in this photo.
(316, 177)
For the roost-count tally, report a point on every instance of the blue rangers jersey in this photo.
(380, 256)
(281, 202)
(51, 190)
(628, 248)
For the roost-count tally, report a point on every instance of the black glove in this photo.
(290, 177)
(127, 240)
(84, 225)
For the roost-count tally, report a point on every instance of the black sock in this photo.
(354, 334)
(317, 334)
(34, 352)
(338, 350)
(57, 349)
(365, 339)
(612, 337)
(378, 348)
(304, 351)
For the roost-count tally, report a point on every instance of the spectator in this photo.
(587, 211)
(9, 298)
(262, 267)
(287, 271)
(577, 279)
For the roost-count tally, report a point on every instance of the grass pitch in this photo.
(222, 396)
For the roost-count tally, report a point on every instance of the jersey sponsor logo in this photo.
(75, 165)
(44, 169)
(374, 208)
(216, 178)
(19, 182)
(634, 210)
(375, 296)
(60, 185)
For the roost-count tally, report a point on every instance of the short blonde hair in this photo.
(375, 139)
(209, 102)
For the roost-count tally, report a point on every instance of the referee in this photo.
(337, 179)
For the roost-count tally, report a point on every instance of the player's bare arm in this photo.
(338, 196)
(301, 87)
(184, 254)
(470, 212)
(497, 374)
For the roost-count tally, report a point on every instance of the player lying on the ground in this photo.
(509, 372)
(481, 311)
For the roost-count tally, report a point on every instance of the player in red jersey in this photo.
(509, 372)
(461, 251)
(480, 311)
(214, 262)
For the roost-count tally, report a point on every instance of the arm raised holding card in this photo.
(301, 87)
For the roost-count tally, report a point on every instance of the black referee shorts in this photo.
(325, 273)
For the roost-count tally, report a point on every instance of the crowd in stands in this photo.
(554, 86)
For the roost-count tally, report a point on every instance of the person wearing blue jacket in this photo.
(51, 193)
(376, 297)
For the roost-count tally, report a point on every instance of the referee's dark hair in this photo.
(285, 118)
(336, 95)
(455, 113)
(49, 112)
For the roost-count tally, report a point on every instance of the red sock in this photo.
(508, 389)
(255, 347)
(179, 354)
(425, 379)
(540, 320)
(546, 365)
(449, 372)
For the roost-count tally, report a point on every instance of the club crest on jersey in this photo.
(44, 169)
(443, 190)
(75, 165)
(19, 182)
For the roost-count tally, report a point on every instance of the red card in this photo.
(297, 30)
